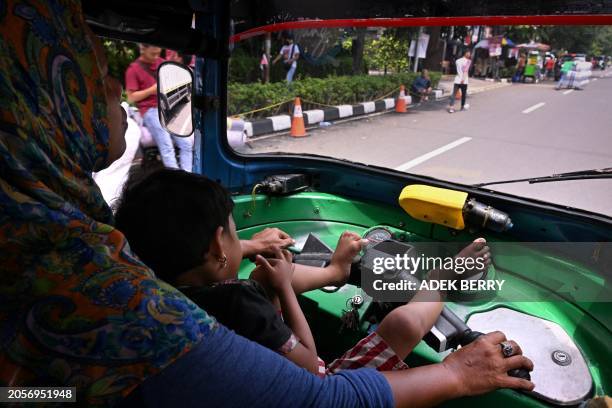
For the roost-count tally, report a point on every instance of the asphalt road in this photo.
(522, 130)
(181, 123)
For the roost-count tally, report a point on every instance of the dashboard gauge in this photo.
(377, 235)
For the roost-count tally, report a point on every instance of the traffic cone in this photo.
(400, 103)
(297, 122)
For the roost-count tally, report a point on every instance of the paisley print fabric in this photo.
(76, 307)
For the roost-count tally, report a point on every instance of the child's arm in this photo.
(279, 276)
(306, 278)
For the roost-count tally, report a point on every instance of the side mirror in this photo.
(174, 88)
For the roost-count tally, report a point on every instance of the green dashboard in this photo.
(327, 216)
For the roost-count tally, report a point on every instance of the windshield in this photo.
(467, 104)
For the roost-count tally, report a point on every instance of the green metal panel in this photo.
(328, 216)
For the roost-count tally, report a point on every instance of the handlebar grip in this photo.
(520, 373)
(523, 373)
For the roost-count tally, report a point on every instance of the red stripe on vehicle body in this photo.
(558, 19)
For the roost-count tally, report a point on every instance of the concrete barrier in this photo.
(278, 123)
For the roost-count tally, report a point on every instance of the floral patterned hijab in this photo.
(76, 307)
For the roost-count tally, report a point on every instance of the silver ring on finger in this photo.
(507, 349)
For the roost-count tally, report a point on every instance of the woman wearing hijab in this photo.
(78, 309)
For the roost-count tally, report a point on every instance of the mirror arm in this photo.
(206, 103)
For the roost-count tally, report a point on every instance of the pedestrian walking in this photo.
(141, 89)
(461, 81)
(289, 53)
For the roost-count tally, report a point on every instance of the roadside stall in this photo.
(492, 47)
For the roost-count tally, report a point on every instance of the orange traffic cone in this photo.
(400, 103)
(297, 122)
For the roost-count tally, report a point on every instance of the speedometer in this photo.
(377, 235)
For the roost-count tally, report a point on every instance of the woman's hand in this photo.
(480, 366)
(266, 242)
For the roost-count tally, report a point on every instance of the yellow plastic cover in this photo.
(433, 204)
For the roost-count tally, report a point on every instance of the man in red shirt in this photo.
(549, 67)
(141, 88)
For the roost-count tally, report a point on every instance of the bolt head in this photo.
(561, 357)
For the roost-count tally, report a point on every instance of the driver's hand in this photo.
(480, 366)
(267, 242)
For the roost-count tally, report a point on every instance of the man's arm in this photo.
(132, 86)
(475, 369)
(296, 56)
(228, 370)
(232, 371)
(137, 96)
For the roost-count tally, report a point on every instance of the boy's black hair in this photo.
(170, 217)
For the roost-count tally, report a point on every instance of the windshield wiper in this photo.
(572, 175)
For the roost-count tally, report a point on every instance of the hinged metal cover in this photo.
(560, 373)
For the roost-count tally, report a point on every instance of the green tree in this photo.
(119, 55)
(388, 52)
(602, 44)
(581, 39)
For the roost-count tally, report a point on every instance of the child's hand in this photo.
(278, 271)
(349, 246)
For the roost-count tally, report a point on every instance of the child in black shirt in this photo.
(180, 224)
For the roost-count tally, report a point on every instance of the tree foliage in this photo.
(580, 39)
(388, 52)
(119, 55)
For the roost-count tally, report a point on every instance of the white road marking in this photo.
(415, 162)
(534, 107)
(566, 92)
(594, 79)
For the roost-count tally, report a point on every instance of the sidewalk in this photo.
(474, 86)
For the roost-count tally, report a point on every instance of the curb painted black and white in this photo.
(279, 123)
(312, 117)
